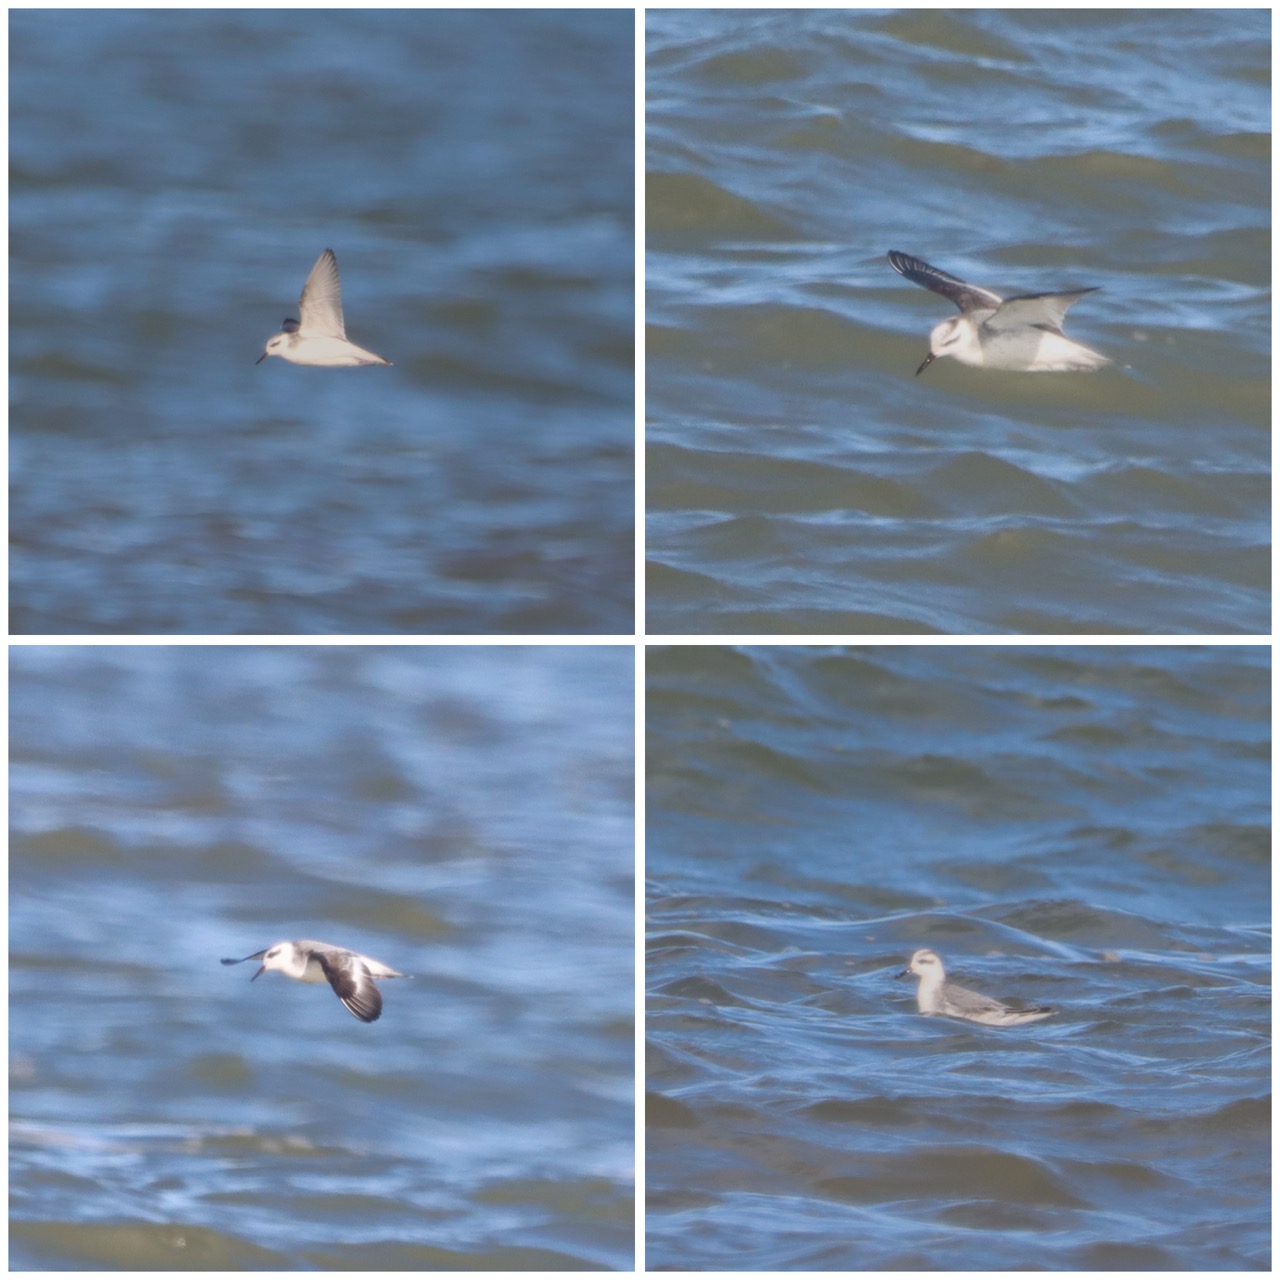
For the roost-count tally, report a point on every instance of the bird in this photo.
(936, 995)
(320, 337)
(350, 974)
(1021, 334)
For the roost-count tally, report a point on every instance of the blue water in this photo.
(1087, 828)
(800, 478)
(464, 815)
(173, 177)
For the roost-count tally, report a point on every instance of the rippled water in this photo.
(462, 815)
(1087, 828)
(800, 479)
(174, 175)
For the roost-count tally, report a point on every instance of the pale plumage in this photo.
(350, 974)
(1021, 334)
(320, 336)
(936, 995)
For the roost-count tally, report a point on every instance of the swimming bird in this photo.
(320, 338)
(1021, 334)
(936, 995)
(350, 974)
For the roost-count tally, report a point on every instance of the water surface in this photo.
(800, 478)
(174, 176)
(1085, 828)
(462, 815)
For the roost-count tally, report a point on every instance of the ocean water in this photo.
(175, 174)
(800, 478)
(1086, 828)
(464, 815)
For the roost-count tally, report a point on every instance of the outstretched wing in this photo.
(353, 985)
(968, 297)
(1037, 310)
(321, 303)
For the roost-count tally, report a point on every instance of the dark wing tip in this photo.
(364, 1014)
(365, 1003)
(362, 998)
(907, 264)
